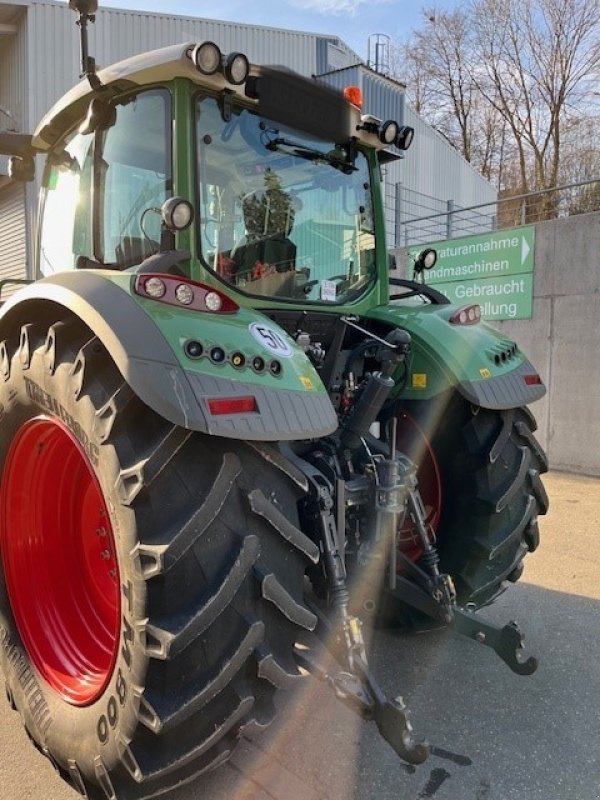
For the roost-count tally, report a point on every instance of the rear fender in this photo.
(146, 341)
(487, 368)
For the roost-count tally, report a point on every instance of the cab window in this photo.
(66, 225)
(103, 191)
(133, 164)
(283, 214)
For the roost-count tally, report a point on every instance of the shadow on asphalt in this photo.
(498, 736)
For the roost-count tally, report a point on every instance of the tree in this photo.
(535, 59)
(438, 65)
(441, 55)
(505, 81)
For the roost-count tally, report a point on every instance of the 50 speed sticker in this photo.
(271, 339)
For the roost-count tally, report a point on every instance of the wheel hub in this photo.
(59, 562)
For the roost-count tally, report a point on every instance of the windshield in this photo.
(283, 215)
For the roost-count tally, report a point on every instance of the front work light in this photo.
(177, 213)
(426, 259)
(466, 315)
(186, 293)
(389, 132)
(404, 138)
(85, 7)
(207, 58)
(236, 68)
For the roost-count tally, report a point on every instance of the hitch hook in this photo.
(507, 641)
(362, 694)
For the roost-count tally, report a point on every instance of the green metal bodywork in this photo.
(228, 331)
(444, 355)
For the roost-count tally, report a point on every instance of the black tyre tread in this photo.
(485, 545)
(503, 437)
(167, 711)
(491, 589)
(220, 731)
(104, 780)
(202, 723)
(273, 591)
(491, 465)
(222, 564)
(76, 778)
(260, 505)
(173, 636)
(159, 558)
(493, 550)
(272, 671)
(525, 431)
(107, 413)
(517, 479)
(144, 473)
(5, 360)
(277, 460)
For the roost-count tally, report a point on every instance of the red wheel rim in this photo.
(412, 440)
(59, 560)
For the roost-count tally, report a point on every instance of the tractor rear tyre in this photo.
(479, 476)
(151, 588)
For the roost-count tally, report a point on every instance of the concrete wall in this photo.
(563, 339)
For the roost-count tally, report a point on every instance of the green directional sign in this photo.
(493, 269)
(499, 298)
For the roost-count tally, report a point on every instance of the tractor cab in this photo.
(270, 203)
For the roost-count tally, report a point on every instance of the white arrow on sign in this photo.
(524, 249)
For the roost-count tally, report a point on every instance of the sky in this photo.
(351, 20)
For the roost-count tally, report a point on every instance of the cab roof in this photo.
(153, 67)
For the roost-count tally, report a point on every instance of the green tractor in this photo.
(224, 447)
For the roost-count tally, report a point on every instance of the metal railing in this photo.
(446, 220)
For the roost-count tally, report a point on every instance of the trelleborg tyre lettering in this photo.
(211, 567)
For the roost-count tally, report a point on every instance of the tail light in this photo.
(466, 315)
(184, 293)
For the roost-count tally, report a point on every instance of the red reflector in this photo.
(233, 405)
(532, 380)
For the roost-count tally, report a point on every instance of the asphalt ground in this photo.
(496, 735)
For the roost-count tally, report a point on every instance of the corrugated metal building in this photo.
(39, 60)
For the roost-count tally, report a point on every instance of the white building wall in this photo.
(13, 117)
(13, 77)
(13, 242)
(118, 34)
